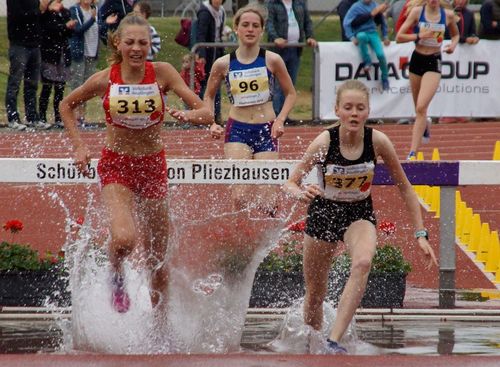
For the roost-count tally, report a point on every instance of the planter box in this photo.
(280, 289)
(34, 288)
(276, 288)
(386, 290)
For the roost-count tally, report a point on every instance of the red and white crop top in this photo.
(133, 106)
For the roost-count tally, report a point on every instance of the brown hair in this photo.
(413, 3)
(144, 7)
(113, 37)
(352, 85)
(251, 8)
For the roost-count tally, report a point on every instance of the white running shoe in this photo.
(40, 125)
(14, 125)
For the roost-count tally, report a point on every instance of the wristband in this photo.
(418, 38)
(422, 233)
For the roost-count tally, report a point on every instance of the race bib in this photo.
(136, 106)
(249, 87)
(348, 183)
(437, 31)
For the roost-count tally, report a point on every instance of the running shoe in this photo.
(411, 156)
(119, 298)
(14, 125)
(38, 125)
(385, 84)
(427, 132)
(333, 347)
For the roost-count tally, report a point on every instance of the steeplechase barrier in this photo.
(446, 174)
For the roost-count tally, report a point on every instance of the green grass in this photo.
(329, 30)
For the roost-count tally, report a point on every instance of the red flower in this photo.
(387, 227)
(80, 220)
(13, 225)
(297, 226)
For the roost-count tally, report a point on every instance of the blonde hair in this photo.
(251, 8)
(352, 85)
(113, 37)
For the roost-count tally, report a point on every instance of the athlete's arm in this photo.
(170, 80)
(94, 86)
(412, 19)
(315, 153)
(454, 32)
(384, 148)
(217, 74)
(278, 68)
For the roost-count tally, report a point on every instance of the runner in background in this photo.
(132, 169)
(252, 129)
(429, 22)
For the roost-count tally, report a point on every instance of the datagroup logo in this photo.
(449, 70)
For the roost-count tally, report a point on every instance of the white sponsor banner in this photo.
(207, 171)
(179, 171)
(469, 84)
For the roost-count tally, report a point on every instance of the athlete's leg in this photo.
(238, 192)
(423, 90)
(317, 261)
(119, 202)
(155, 219)
(361, 240)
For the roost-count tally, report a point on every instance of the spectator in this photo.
(366, 34)
(490, 20)
(342, 9)
(288, 22)
(467, 30)
(56, 26)
(210, 26)
(84, 45)
(23, 28)
(143, 8)
(199, 72)
(395, 11)
(345, 5)
(110, 15)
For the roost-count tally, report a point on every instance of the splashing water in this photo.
(213, 254)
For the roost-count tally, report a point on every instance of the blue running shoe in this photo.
(411, 156)
(334, 347)
(385, 84)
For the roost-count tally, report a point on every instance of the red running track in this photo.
(244, 360)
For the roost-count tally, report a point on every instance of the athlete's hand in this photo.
(309, 193)
(426, 33)
(449, 48)
(177, 114)
(278, 128)
(428, 252)
(82, 159)
(216, 131)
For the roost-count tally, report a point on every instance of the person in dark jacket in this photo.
(490, 20)
(23, 28)
(465, 22)
(84, 44)
(288, 22)
(210, 23)
(111, 13)
(56, 25)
